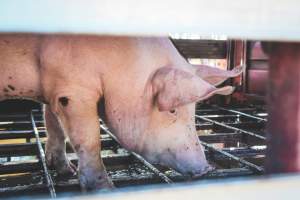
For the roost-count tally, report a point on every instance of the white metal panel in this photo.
(275, 188)
(255, 19)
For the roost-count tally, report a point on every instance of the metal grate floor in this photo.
(234, 141)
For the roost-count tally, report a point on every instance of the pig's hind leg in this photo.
(56, 146)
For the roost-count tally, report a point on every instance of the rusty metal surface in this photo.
(257, 81)
(256, 51)
(253, 85)
(257, 72)
(284, 108)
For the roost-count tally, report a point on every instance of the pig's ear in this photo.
(174, 87)
(216, 76)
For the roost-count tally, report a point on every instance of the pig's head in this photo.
(171, 137)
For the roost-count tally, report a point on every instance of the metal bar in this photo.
(140, 158)
(22, 134)
(13, 134)
(28, 148)
(240, 113)
(283, 153)
(237, 124)
(244, 63)
(112, 159)
(6, 188)
(205, 110)
(33, 165)
(221, 116)
(122, 177)
(49, 180)
(231, 127)
(105, 139)
(230, 156)
(19, 122)
(231, 138)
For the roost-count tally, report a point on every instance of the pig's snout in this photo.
(193, 169)
(191, 163)
(191, 160)
(198, 173)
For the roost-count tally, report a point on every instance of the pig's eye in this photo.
(172, 111)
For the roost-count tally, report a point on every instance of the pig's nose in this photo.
(201, 172)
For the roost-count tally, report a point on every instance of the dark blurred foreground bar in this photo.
(283, 153)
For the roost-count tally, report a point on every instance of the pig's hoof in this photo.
(60, 163)
(95, 181)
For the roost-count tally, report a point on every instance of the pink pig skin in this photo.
(148, 90)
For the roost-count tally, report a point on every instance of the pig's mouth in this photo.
(192, 174)
(198, 174)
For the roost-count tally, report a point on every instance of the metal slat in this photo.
(231, 127)
(213, 49)
(114, 159)
(49, 180)
(33, 165)
(28, 148)
(106, 143)
(240, 113)
(73, 182)
(140, 158)
(230, 156)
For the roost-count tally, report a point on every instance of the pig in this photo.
(147, 88)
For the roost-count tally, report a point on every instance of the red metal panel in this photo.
(284, 108)
(256, 52)
(254, 80)
(257, 70)
(257, 83)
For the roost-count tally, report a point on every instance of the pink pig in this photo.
(149, 92)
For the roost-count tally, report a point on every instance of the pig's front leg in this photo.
(79, 118)
(56, 145)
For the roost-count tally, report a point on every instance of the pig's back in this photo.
(129, 62)
(19, 66)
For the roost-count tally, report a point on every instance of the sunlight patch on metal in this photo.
(49, 180)
(241, 113)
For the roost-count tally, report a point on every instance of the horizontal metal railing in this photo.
(124, 167)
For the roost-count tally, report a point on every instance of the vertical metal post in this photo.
(244, 63)
(283, 154)
(229, 54)
(47, 175)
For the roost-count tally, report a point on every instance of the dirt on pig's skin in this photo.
(149, 90)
